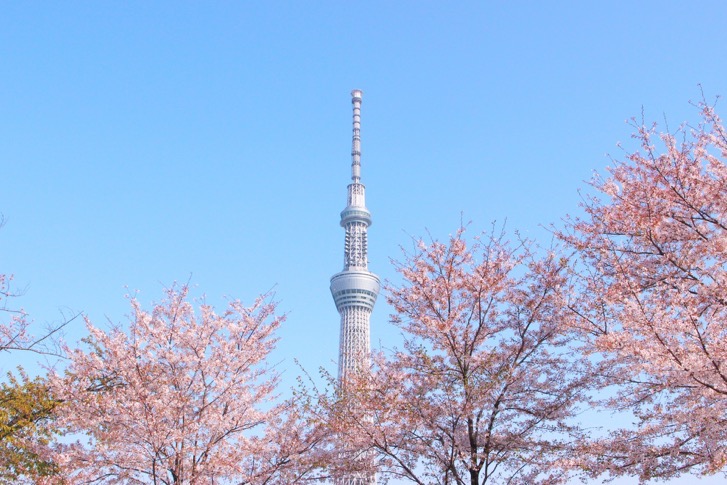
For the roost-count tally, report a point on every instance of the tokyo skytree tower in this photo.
(355, 288)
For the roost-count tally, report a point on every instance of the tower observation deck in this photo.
(355, 288)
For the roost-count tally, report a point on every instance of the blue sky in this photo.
(145, 143)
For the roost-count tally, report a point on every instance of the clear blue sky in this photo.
(144, 142)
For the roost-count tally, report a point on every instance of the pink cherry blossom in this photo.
(180, 397)
(488, 382)
(653, 266)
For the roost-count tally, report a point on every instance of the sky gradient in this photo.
(146, 143)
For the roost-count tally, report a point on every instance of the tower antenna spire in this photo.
(356, 143)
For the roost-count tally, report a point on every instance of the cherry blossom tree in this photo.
(15, 334)
(181, 397)
(488, 381)
(653, 259)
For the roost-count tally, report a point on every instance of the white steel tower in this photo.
(355, 288)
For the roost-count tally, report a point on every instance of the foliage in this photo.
(180, 398)
(653, 254)
(488, 381)
(26, 416)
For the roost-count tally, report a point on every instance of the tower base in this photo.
(367, 480)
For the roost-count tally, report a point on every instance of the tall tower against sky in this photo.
(355, 288)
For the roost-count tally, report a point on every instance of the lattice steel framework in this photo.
(355, 288)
